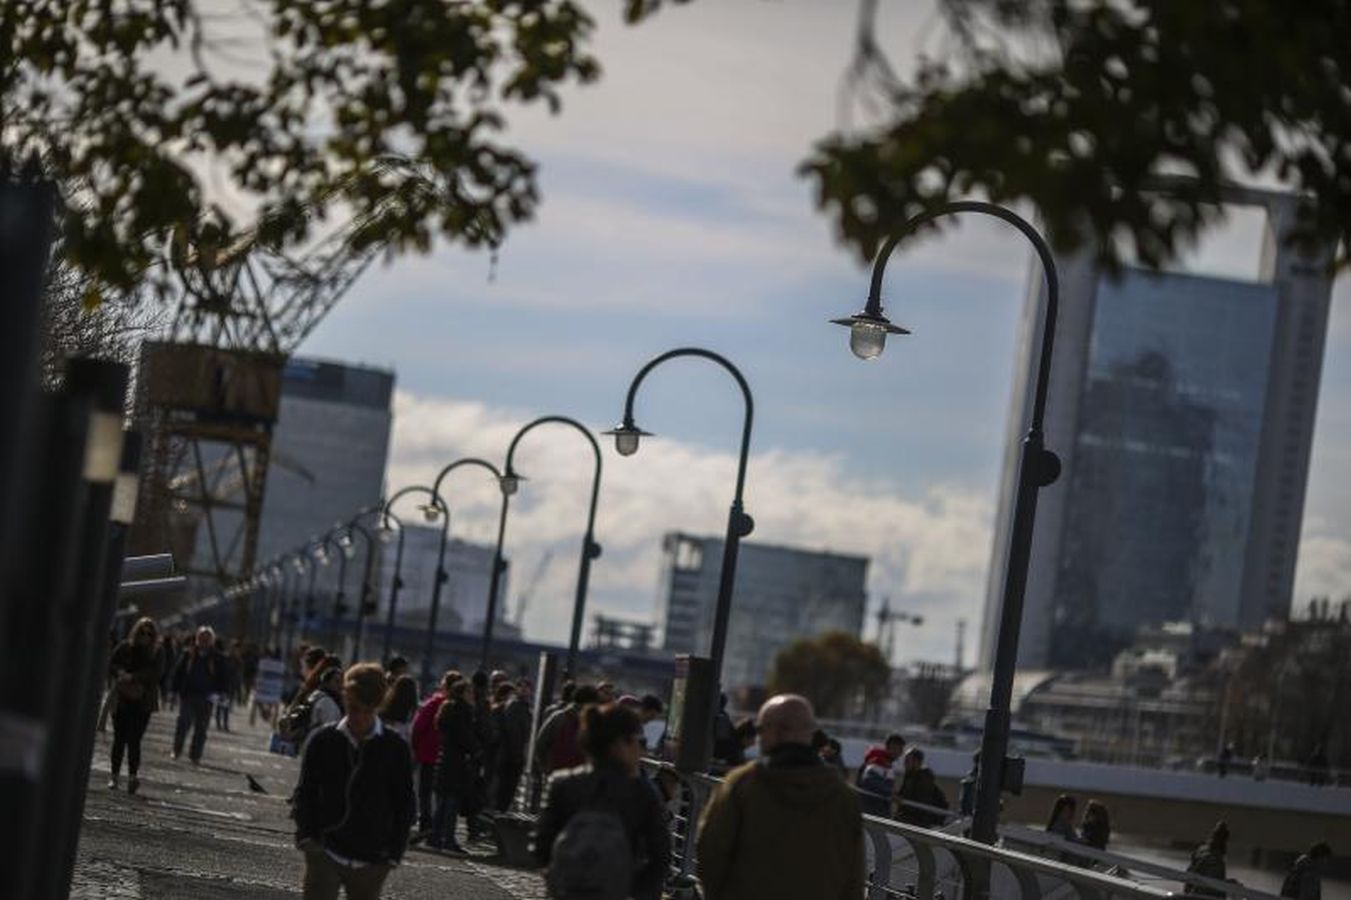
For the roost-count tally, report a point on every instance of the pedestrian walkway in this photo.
(202, 832)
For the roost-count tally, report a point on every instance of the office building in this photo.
(329, 449)
(464, 598)
(781, 594)
(1182, 408)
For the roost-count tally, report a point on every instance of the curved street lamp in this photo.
(435, 508)
(333, 539)
(1037, 468)
(590, 549)
(628, 435)
(507, 485)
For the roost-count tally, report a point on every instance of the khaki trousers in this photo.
(323, 878)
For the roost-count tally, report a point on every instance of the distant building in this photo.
(781, 594)
(329, 450)
(464, 598)
(1182, 408)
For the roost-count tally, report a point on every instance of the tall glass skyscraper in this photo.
(1182, 407)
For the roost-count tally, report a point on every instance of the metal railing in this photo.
(909, 861)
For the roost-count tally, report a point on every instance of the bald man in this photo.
(784, 825)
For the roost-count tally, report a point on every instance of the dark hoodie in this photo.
(783, 826)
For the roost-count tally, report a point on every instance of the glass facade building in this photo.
(1182, 408)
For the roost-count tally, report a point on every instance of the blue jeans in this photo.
(443, 821)
(193, 712)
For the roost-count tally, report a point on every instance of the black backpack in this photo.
(592, 858)
(294, 724)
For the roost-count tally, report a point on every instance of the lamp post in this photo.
(507, 486)
(627, 436)
(300, 562)
(433, 510)
(1037, 468)
(363, 602)
(590, 549)
(333, 539)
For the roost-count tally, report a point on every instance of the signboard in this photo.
(271, 680)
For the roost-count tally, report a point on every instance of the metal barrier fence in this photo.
(940, 864)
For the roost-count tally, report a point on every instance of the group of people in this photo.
(196, 676)
(894, 781)
(1094, 828)
(392, 771)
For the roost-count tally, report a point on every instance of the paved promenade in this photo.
(200, 832)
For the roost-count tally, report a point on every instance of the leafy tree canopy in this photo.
(1075, 106)
(836, 671)
(386, 114)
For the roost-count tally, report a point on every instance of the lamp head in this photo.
(430, 512)
(510, 483)
(385, 533)
(868, 331)
(627, 437)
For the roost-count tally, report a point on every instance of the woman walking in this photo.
(606, 801)
(454, 765)
(400, 706)
(136, 667)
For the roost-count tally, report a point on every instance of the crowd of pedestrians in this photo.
(383, 769)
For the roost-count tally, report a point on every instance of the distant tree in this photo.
(1076, 106)
(1294, 687)
(387, 114)
(73, 327)
(837, 672)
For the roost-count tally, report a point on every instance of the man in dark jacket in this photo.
(918, 785)
(200, 673)
(784, 825)
(353, 805)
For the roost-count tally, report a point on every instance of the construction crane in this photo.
(523, 598)
(209, 390)
(886, 626)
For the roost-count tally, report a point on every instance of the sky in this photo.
(672, 216)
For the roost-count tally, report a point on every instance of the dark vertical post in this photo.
(26, 216)
(77, 642)
(499, 564)
(121, 514)
(394, 585)
(365, 592)
(429, 647)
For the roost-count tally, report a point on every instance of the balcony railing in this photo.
(940, 864)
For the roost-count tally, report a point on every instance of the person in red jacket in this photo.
(426, 749)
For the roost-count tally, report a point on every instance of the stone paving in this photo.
(199, 831)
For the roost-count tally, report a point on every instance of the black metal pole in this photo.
(1037, 468)
(590, 549)
(365, 597)
(739, 524)
(395, 584)
(499, 564)
(122, 512)
(337, 599)
(104, 383)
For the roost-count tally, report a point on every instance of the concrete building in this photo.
(329, 450)
(1182, 408)
(464, 599)
(781, 594)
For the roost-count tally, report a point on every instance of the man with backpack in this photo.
(353, 804)
(784, 825)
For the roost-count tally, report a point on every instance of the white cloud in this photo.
(1324, 566)
(929, 553)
